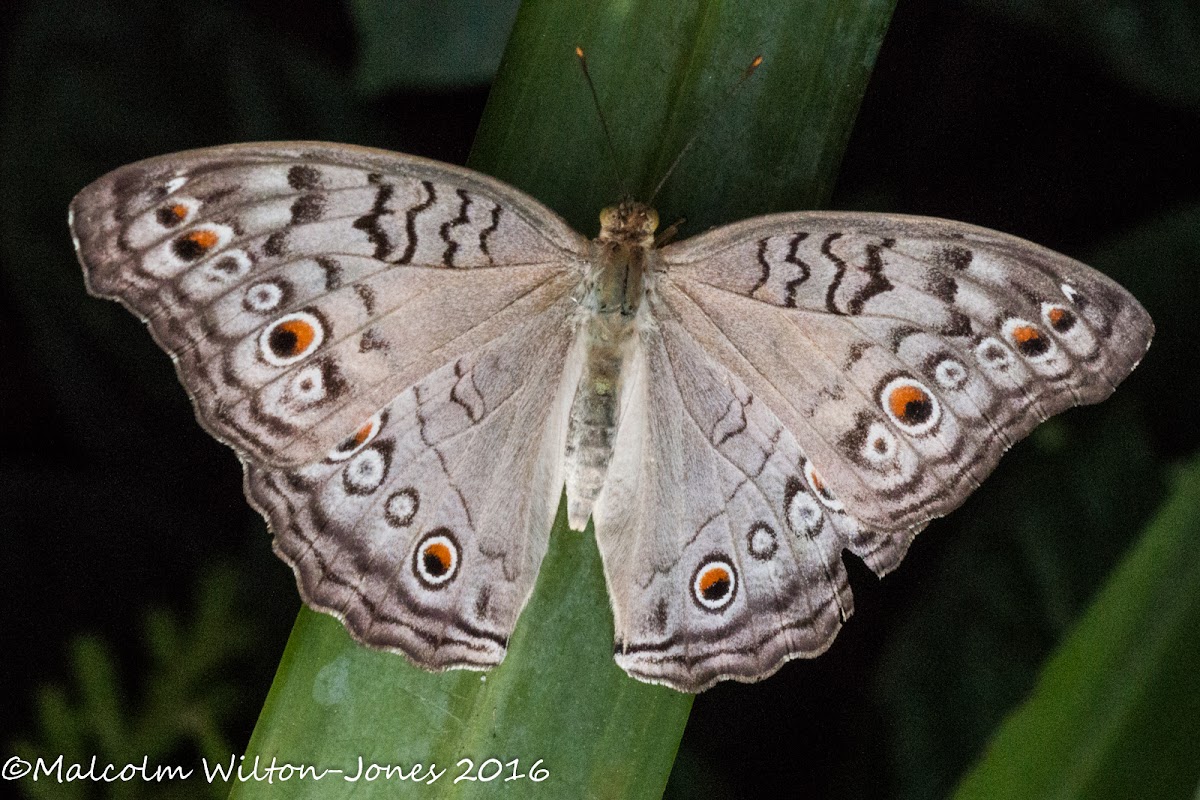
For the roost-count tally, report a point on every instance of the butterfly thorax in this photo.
(613, 295)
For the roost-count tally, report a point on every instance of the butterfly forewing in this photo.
(301, 286)
(905, 354)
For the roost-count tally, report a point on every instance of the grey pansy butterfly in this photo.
(412, 359)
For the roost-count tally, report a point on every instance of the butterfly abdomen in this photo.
(610, 309)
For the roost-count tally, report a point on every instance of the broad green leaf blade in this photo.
(1116, 712)
(659, 69)
(558, 696)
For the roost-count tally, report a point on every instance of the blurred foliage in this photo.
(187, 690)
(1009, 585)
(429, 45)
(1148, 44)
(1116, 710)
(1073, 124)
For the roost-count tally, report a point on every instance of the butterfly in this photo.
(412, 360)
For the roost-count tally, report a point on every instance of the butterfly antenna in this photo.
(612, 151)
(720, 105)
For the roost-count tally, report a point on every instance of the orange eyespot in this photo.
(1061, 319)
(202, 238)
(194, 244)
(364, 433)
(910, 404)
(355, 442)
(292, 337)
(437, 559)
(1024, 333)
(172, 215)
(1028, 339)
(714, 583)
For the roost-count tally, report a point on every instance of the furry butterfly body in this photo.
(412, 360)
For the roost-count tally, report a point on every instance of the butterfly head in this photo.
(629, 223)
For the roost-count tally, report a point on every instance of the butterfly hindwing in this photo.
(722, 559)
(424, 532)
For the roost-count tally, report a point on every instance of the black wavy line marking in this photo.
(878, 283)
(837, 278)
(789, 297)
(488, 231)
(741, 428)
(367, 295)
(369, 222)
(410, 223)
(444, 231)
(766, 267)
(454, 397)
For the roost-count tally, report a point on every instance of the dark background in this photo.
(1074, 125)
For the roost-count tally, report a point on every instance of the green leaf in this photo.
(659, 68)
(1116, 712)
(1013, 570)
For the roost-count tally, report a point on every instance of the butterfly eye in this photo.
(714, 584)
(291, 338)
(435, 560)
(910, 405)
(1059, 318)
(1028, 339)
(650, 224)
